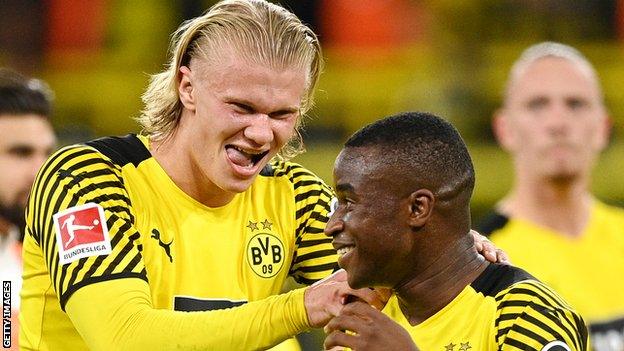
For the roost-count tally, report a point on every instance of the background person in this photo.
(26, 140)
(554, 124)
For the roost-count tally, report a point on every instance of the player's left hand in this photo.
(372, 330)
(486, 248)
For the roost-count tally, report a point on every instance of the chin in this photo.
(240, 186)
(356, 283)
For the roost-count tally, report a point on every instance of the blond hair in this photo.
(264, 32)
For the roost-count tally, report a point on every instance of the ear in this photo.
(421, 204)
(185, 88)
(604, 132)
(502, 130)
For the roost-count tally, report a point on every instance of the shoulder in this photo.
(103, 153)
(609, 211)
(492, 222)
(297, 175)
(291, 170)
(531, 314)
(128, 149)
(497, 278)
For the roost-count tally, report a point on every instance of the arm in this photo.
(118, 315)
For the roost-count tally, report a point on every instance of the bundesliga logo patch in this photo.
(81, 231)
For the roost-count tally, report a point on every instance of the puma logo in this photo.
(166, 247)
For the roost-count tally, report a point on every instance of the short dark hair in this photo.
(425, 147)
(20, 95)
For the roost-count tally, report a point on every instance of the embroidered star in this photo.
(465, 346)
(252, 225)
(266, 224)
(450, 346)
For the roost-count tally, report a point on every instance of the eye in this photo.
(577, 103)
(333, 206)
(282, 114)
(22, 151)
(537, 103)
(241, 108)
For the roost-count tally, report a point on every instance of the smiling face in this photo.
(238, 115)
(554, 122)
(369, 225)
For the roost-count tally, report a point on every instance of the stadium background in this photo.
(383, 56)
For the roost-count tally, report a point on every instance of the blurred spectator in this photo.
(22, 33)
(26, 140)
(554, 124)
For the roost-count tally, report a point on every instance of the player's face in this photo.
(372, 240)
(242, 114)
(555, 121)
(25, 143)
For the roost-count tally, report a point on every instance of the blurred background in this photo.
(443, 56)
(383, 56)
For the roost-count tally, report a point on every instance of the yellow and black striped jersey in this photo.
(106, 210)
(586, 271)
(505, 308)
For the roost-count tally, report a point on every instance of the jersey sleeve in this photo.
(315, 257)
(73, 178)
(118, 315)
(531, 316)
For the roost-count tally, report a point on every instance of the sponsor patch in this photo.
(81, 231)
(556, 346)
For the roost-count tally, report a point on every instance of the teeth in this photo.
(345, 250)
(253, 153)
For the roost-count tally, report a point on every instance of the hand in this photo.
(372, 330)
(326, 298)
(488, 250)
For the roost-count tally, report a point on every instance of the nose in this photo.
(334, 226)
(558, 119)
(259, 130)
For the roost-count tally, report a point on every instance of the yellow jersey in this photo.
(587, 271)
(505, 308)
(105, 211)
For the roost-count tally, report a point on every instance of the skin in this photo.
(554, 125)
(25, 143)
(229, 107)
(399, 241)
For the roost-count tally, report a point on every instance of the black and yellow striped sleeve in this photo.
(315, 257)
(75, 176)
(530, 316)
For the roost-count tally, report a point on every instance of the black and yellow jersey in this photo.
(505, 308)
(586, 271)
(105, 211)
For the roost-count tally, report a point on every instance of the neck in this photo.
(564, 207)
(423, 295)
(173, 156)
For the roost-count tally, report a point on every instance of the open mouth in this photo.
(244, 158)
(345, 250)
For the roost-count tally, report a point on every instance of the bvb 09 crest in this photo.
(265, 254)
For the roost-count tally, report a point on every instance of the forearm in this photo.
(126, 321)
